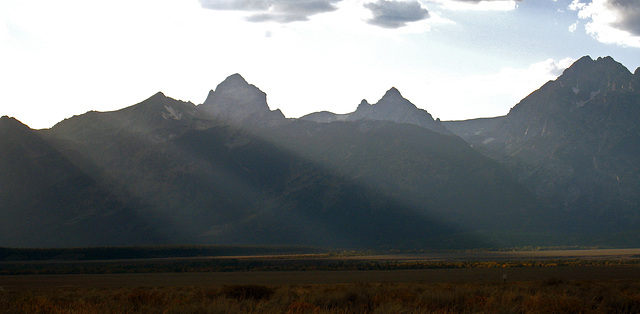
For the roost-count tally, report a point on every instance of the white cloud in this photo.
(611, 21)
(573, 27)
(281, 11)
(486, 95)
(478, 5)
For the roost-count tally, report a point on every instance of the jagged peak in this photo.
(637, 72)
(363, 104)
(579, 65)
(235, 89)
(607, 59)
(393, 92)
(587, 68)
(232, 83)
(235, 83)
(237, 101)
(583, 59)
(393, 98)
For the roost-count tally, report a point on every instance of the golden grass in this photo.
(550, 296)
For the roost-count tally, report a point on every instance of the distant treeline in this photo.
(138, 252)
(189, 265)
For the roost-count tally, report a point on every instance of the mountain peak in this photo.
(606, 59)
(393, 92)
(235, 100)
(584, 59)
(235, 79)
(393, 107)
(158, 95)
(363, 105)
(593, 75)
(393, 98)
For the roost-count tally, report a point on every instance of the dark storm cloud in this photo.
(281, 11)
(628, 12)
(395, 14)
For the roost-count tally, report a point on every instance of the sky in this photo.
(457, 59)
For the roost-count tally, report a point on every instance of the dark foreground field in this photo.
(569, 284)
(548, 296)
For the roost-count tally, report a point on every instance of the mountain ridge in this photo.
(560, 169)
(391, 107)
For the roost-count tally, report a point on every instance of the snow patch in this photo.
(171, 114)
(582, 103)
(342, 117)
(489, 140)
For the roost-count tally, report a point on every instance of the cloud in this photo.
(573, 27)
(395, 14)
(280, 11)
(482, 5)
(239, 5)
(628, 14)
(488, 94)
(551, 67)
(611, 21)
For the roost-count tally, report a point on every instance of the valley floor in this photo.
(593, 281)
(603, 289)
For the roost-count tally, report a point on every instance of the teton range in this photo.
(562, 168)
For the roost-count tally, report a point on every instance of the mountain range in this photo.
(561, 168)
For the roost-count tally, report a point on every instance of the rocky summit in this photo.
(236, 101)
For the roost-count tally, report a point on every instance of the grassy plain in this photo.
(570, 282)
(549, 296)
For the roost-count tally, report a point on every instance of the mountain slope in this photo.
(425, 170)
(576, 143)
(45, 200)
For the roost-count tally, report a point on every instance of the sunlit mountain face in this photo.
(559, 169)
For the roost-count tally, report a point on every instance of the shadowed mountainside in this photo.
(560, 169)
(575, 142)
(46, 200)
(194, 175)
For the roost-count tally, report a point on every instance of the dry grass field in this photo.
(545, 284)
(550, 296)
